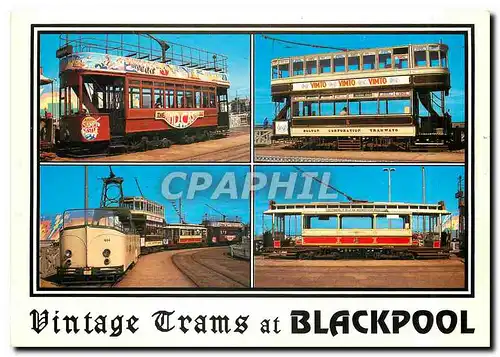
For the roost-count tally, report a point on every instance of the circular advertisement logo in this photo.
(90, 128)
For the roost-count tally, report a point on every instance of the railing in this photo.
(148, 49)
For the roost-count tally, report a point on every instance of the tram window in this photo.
(134, 97)
(434, 58)
(392, 223)
(180, 99)
(420, 58)
(339, 64)
(212, 100)
(339, 107)
(316, 222)
(353, 222)
(444, 63)
(398, 106)
(384, 60)
(353, 63)
(368, 62)
(146, 98)
(314, 108)
(296, 109)
(205, 99)
(189, 99)
(369, 107)
(326, 108)
(62, 101)
(401, 61)
(311, 67)
(325, 66)
(159, 98)
(169, 98)
(197, 99)
(275, 72)
(354, 108)
(298, 68)
(283, 70)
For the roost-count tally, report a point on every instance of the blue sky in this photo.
(367, 183)
(62, 187)
(235, 47)
(266, 50)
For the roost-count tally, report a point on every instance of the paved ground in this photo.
(189, 268)
(156, 270)
(449, 273)
(234, 148)
(277, 153)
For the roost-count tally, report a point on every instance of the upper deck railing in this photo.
(148, 49)
(361, 61)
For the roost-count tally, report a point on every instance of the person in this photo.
(158, 103)
(344, 111)
(266, 122)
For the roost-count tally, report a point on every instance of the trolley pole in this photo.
(389, 170)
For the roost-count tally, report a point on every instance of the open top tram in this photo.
(366, 98)
(367, 229)
(117, 95)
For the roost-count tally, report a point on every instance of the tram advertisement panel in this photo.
(143, 216)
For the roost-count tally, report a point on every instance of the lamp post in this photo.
(389, 170)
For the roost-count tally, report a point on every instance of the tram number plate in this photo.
(87, 272)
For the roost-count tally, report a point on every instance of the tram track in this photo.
(204, 275)
(235, 153)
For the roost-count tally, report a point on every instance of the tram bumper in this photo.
(89, 273)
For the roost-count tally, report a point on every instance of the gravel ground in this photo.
(445, 273)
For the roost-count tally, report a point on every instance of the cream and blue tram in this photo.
(97, 244)
(365, 98)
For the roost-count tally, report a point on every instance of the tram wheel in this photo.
(336, 256)
(165, 143)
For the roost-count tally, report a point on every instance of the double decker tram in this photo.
(121, 96)
(365, 99)
(149, 220)
(362, 229)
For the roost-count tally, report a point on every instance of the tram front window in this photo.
(434, 58)
(100, 218)
(384, 60)
(283, 71)
(444, 61)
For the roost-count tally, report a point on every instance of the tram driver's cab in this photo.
(223, 112)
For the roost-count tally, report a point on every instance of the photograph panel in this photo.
(395, 97)
(144, 97)
(144, 227)
(361, 227)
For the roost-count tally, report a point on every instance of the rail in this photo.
(149, 49)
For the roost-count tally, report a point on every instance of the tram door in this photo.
(223, 118)
(116, 108)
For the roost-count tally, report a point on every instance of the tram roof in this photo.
(355, 208)
(361, 51)
(140, 198)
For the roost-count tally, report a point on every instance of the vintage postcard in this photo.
(292, 181)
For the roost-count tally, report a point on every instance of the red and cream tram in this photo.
(367, 229)
(115, 95)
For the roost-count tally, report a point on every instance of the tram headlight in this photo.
(68, 253)
(68, 263)
(106, 253)
(106, 261)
